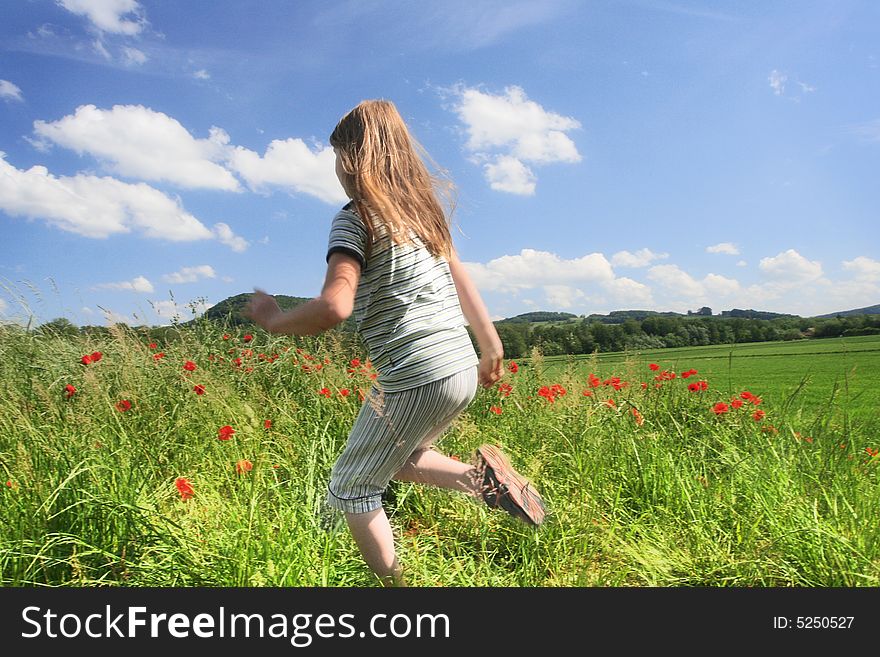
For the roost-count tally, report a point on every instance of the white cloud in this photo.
(10, 91)
(627, 293)
(869, 131)
(202, 74)
(95, 207)
(139, 284)
(115, 16)
(716, 285)
(98, 47)
(790, 267)
(190, 274)
(777, 82)
(742, 263)
(511, 130)
(723, 247)
(676, 280)
(806, 88)
(3, 306)
(135, 141)
(864, 268)
(641, 258)
(562, 296)
(564, 282)
(133, 55)
(291, 165)
(531, 268)
(509, 174)
(224, 233)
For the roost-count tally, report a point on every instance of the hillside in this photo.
(869, 310)
(231, 309)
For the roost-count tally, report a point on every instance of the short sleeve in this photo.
(348, 235)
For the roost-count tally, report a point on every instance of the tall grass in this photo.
(687, 498)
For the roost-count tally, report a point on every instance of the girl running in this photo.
(391, 263)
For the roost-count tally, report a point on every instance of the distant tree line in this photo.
(585, 336)
(618, 331)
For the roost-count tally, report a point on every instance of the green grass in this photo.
(684, 498)
(819, 379)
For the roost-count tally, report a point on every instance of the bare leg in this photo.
(372, 533)
(427, 466)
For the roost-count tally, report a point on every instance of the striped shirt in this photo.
(406, 307)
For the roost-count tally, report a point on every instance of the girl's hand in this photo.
(262, 309)
(491, 369)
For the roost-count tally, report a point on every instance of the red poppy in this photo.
(153, 345)
(872, 452)
(745, 394)
(70, 390)
(248, 337)
(123, 405)
(243, 465)
(557, 389)
(593, 380)
(758, 415)
(546, 393)
(736, 403)
(159, 355)
(325, 392)
(85, 360)
(344, 392)
(694, 387)
(199, 389)
(505, 389)
(225, 432)
(184, 488)
(720, 408)
(610, 403)
(654, 367)
(96, 356)
(225, 336)
(495, 409)
(513, 367)
(189, 366)
(355, 362)
(587, 393)
(267, 424)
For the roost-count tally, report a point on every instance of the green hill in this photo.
(231, 309)
(540, 316)
(870, 310)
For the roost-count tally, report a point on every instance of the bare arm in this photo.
(474, 310)
(334, 305)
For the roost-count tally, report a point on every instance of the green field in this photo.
(203, 461)
(835, 378)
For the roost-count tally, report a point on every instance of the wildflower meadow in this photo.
(203, 461)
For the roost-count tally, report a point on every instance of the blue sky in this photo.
(160, 156)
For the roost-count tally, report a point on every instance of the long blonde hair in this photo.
(390, 182)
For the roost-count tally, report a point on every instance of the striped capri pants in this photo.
(389, 428)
